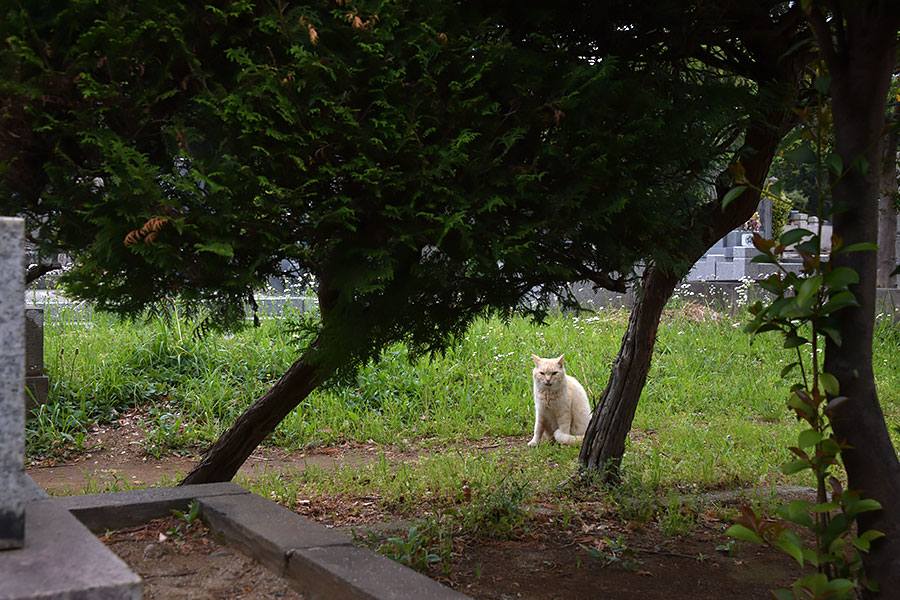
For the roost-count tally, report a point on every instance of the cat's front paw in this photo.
(534, 442)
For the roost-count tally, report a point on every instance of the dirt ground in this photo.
(593, 556)
(180, 562)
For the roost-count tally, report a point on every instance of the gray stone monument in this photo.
(12, 383)
(765, 217)
(57, 558)
(37, 386)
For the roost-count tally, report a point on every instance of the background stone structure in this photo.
(12, 383)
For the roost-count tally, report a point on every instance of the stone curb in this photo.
(117, 510)
(318, 562)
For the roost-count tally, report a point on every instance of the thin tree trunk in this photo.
(231, 450)
(604, 440)
(861, 66)
(887, 208)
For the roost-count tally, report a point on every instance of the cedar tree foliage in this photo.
(421, 164)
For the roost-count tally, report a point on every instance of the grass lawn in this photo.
(712, 415)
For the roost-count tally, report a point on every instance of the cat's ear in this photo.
(536, 358)
(559, 360)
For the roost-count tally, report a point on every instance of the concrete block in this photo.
(350, 572)
(62, 560)
(12, 383)
(726, 271)
(733, 238)
(701, 271)
(103, 512)
(265, 530)
(745, 252)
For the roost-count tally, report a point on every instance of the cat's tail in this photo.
(565, 438)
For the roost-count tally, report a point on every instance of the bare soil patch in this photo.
(592, 555)
(176, 561)
(116, 459)
(551, 563)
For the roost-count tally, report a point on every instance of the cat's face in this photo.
(548, 371)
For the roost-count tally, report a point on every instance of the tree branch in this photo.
(39, 270)
(822, 32)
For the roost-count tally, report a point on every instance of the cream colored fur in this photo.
(561, 407)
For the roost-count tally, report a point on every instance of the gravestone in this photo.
(37, 386)
(765, 217)
(12, 383)
(58, 558)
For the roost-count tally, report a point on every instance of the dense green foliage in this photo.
(421, 163)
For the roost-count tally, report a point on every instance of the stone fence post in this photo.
(12, 383)
(37, 385)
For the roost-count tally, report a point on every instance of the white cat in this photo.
(561, 407)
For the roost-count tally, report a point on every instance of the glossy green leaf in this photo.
(797, 404)
(792, 236)
(830, 446)
(871, 535)
(811, 246)
(838, 587)
(794, 466)
(834, 403)
(768, 327)
(808, 437)
(841, 277)
(809, 288)
(799, 155)
(823, 82)
(763, 258)
(773, 284)
(793, 341)
(788, 368)
(743, 533)
(796, 511)
(839, 301)
(829, 327)
(732, 194)
(830, 383)
(791, 548)
(825, 507)
(834, 164)
(862, 246)
(861, 506)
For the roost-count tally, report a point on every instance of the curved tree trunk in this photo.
(229, 452)
(861, 64)
(604, 440)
